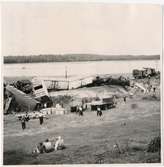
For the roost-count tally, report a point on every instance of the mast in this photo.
(66, 72)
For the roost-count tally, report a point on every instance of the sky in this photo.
(97, 28)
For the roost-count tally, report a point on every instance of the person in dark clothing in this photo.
(41, 119)
(154, 88)
(27, 118)
(80, 111)
(23, 122)
(77, 109)
(99, 112)
(124, 99)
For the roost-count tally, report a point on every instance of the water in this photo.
(58, 69)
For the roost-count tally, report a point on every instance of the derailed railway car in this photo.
(24, 101)
(99, 81)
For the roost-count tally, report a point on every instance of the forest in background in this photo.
(74, 58)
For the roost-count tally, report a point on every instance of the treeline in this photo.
(74, 57)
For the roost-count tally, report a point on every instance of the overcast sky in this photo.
(59, 28)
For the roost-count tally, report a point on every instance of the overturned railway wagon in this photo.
(66, 83)
(25, 101)
(40, 92)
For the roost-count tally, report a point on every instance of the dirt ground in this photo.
(89, 139)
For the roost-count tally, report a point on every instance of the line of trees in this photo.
(73, 57)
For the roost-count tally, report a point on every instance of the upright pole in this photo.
(66, 72)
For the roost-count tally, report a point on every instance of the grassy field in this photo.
(89, 139)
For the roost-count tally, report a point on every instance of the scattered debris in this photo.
(23, 85)
(140, 86)
(121, 86)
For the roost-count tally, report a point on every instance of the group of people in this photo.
(80, 110)
(49, 145)
(25, 118)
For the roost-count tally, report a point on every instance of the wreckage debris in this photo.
(20, 99)
(145, 73)
(23, 85)
(99, 81)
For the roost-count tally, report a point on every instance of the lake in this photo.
(58, 69)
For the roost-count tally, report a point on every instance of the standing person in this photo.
(80, 111)
(83, 106)
(124, 99)
(23, 122)
(77, 109)
(41, 119)
(154, 88)
(27, 118)
(45, 105)
(99, 112)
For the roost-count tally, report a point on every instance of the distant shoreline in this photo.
(74, 58)
(11, 79)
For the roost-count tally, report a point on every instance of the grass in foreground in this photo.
(89, 139)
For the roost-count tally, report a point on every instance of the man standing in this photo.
(41, 119)
(125, 99)
(80, 111)
(23, 122)
(27, 118)
(99, 112)
(154, 89)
